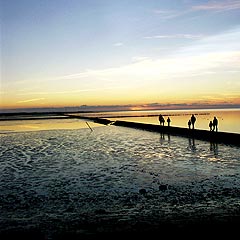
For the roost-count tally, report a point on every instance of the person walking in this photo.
(189, 124)
(193, 120)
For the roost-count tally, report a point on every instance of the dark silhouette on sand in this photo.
(193, 120)
(189, 124)
(161, 120)
(210, 125)
(215, 124)
(168, 121)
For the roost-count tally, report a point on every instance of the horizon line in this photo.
(127, 107)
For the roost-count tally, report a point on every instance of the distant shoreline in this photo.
(62, 114)
(103, 117)
(47, 116)
(99, 109)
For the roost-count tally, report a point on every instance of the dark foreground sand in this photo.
(105, 228)
(210, 208)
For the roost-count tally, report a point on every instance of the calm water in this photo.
(46, 124)
(228, 119)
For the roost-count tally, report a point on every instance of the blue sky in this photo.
(107, 52)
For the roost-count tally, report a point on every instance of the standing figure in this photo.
(193, 120)
(168, 121)
(189, 124)
(210, 125)
(161, 120)
(215, 124)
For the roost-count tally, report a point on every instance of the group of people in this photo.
(191, 121)
(213, 125)
(162, 120)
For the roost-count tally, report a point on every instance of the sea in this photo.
(60, 176)
(228, 119)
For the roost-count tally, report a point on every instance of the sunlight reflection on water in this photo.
(228, 119)
(45, 124)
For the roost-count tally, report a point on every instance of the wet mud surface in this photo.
(116, 183)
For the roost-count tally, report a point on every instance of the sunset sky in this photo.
(57, 53)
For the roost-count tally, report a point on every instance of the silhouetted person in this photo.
(210, 125)
(215, 124)
(189, 124)
(161, 120)
(193, 120)
(168, 121)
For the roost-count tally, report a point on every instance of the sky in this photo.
(140, 53)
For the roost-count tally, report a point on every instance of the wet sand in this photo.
(202, 209)
(208, 207)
